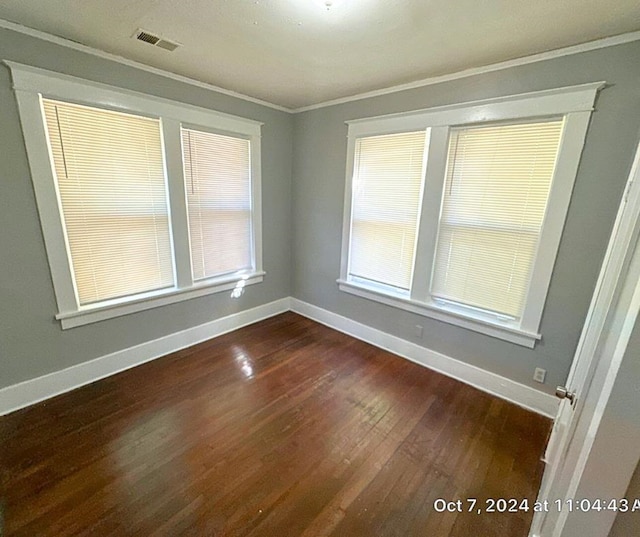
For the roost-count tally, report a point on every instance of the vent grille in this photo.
(155, 40)
(147, 37)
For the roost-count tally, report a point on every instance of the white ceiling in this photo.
(295, 53)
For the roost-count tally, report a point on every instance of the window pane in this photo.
(496, 191)
(110, 174)
(217, 173)
(387, 184)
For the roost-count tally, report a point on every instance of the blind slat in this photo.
(495, 197)
(110, 174)
(218, 183)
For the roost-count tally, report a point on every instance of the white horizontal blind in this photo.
(387, 184)
(110, 175)
(495, 196)
(217, 171)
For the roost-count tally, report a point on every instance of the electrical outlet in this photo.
(539, 375)
(418, 330)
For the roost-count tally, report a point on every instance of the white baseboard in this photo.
(38, 389)
(35, 390)
(502, 387)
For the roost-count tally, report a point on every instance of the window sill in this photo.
(506, 330)
(94, 313)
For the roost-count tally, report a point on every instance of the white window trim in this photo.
(574, 103)
(31, 85)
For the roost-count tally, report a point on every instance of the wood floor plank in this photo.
(282, 428)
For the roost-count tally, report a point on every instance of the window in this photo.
(217, 174)
(495, 195)
(387, 184)
(456, 212)
(110, 177)
(143, 201)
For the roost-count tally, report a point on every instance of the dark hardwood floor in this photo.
(285, 428)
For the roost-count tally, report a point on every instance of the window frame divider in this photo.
(436, 162)
(177, 201)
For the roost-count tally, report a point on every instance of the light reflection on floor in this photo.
(244, 361)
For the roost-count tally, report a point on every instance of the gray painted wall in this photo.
(318, 191)
(314, 143)
(628, 524)
(31, 341)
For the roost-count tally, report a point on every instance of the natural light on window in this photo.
(495, 195)
(387, 184)
(456, 212)
(110, 175)
(217, 172)
(143, 201)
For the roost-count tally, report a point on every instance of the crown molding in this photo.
(8, 25)
(525, 60)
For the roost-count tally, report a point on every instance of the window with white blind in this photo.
(387, 184)
(495, 195)
(109, 173)
(217, 172)
(143, 201)
(456, 212)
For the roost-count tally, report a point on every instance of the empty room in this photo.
(320, 268)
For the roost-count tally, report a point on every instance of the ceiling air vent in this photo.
(167, 45)
(155, 40)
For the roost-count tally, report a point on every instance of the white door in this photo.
(601, 338)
